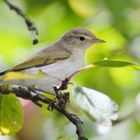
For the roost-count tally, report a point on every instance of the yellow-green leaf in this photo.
(117, 63)
(11, 114)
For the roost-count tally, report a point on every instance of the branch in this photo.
(58, 104)
(127, 117)
(30, 25)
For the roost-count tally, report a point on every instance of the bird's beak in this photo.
(97, 40)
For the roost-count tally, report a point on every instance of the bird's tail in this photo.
(3, 72)
(1, 76)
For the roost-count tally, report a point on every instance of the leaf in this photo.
(96, 104)
(11, 114)
(117, 63)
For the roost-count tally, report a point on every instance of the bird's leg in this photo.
(64, 84)
(64, 98)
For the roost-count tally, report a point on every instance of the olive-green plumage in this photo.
(57, 61)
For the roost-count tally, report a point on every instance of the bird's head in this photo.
(80, 38)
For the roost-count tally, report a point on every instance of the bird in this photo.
(51, 65)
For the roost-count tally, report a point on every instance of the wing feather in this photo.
(46, 56)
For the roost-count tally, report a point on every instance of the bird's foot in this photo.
(64, 84)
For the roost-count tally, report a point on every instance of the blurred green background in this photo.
(115, 21)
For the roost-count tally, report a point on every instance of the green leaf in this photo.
(11, 114)
(117, 63)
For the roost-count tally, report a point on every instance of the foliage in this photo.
(11, 115)
(116, 22)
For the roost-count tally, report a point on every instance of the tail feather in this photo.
(1, 76)
(4, 72)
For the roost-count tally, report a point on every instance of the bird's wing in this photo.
(44, 57)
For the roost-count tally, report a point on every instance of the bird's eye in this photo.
(82, 38)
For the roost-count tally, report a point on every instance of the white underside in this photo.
(56, 73)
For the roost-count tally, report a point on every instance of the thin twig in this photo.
(127, 117)
(30, 25)
(59, 104)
